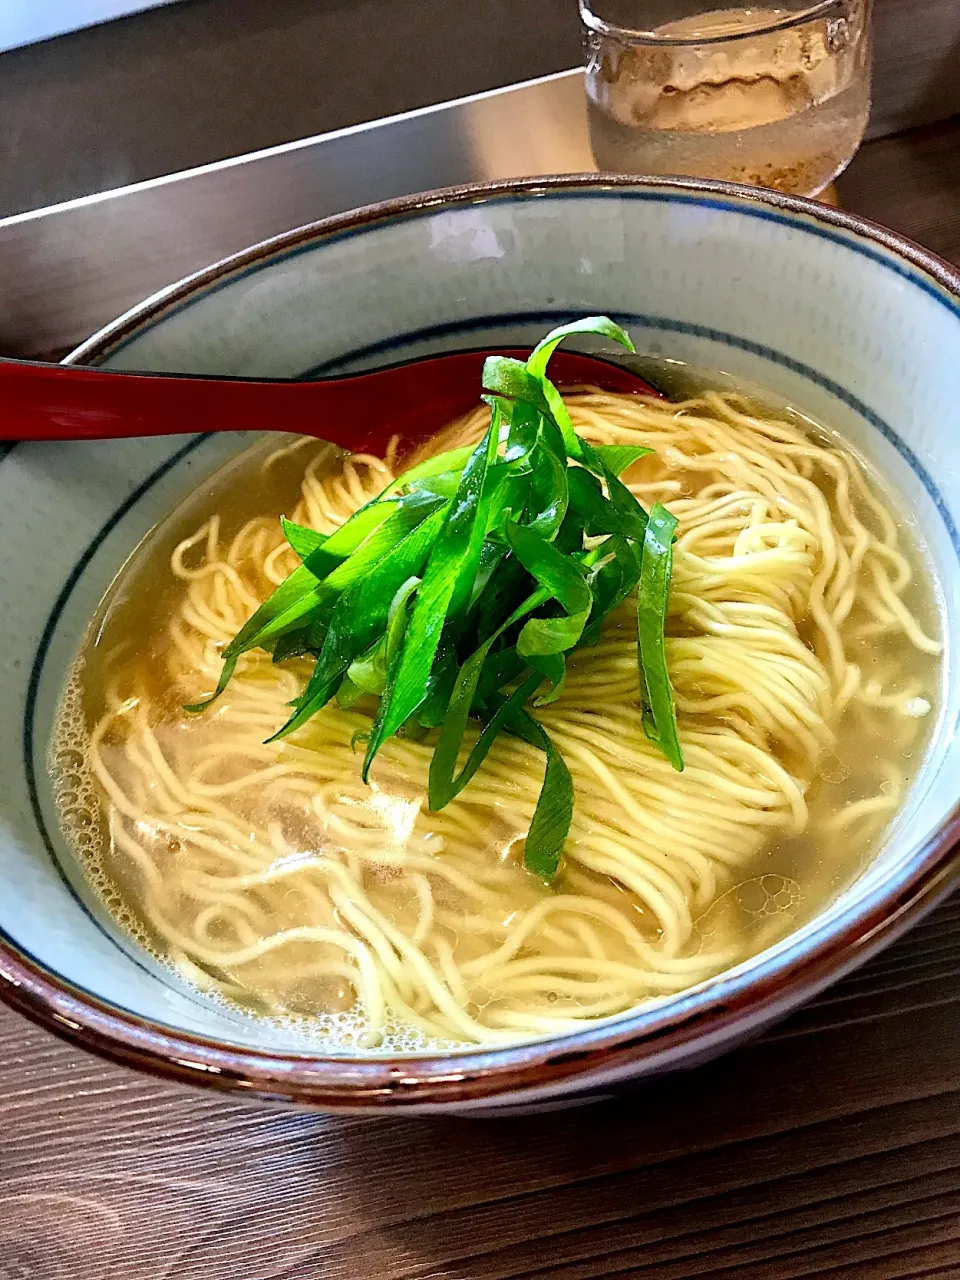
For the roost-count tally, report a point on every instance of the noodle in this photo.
(271, 874)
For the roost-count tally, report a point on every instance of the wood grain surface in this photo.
(830, 1147)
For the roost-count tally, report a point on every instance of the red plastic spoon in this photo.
(361, 412)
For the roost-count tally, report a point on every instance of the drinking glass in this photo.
(772, 95)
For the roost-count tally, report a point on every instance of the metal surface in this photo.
(27, 23)
(66, 270)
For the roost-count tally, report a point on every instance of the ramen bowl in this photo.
(851, 324)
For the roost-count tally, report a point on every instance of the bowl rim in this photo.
(710, 1014)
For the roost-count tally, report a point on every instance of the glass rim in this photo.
(632, 35)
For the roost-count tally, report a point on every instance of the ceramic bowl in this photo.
(850, 323)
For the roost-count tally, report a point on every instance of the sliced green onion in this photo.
(660, 717)
(457, 593)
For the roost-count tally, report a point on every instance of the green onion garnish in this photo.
(457, 594)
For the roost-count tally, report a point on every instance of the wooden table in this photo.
(830, 1147)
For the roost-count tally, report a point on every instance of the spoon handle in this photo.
(73, 402)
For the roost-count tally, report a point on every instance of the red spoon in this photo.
(360, 412)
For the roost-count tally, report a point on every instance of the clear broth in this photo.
(790, 879)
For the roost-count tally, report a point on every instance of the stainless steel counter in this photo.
(66, 270)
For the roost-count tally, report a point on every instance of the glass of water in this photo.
(773, 95)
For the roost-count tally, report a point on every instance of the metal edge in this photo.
(282, 149)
